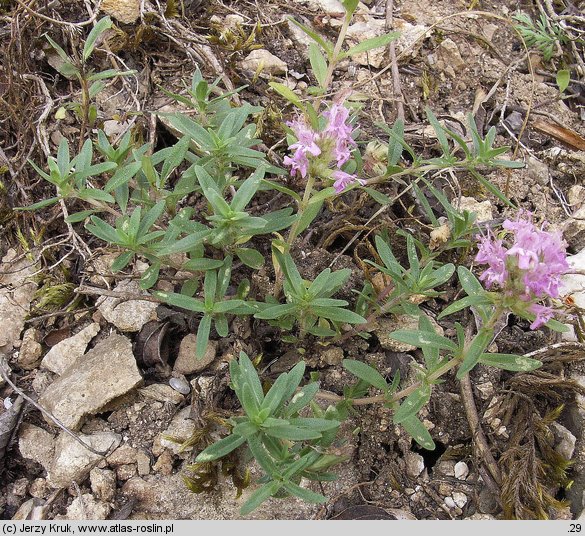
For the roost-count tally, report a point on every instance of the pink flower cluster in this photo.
(333, 144)
(530, 269)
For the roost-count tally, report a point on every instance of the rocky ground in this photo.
(117, 378)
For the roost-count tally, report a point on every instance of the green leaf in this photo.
(275, 394)
(150, 276)
(102, 230)
(122, 176)
(491, 188)
(250, 376)
(288, 94)
(418, 432)
(180, 300)
(40, 204)
(412, 257)
(202, 336)
(247, 190)
(463, 303)
(250, 257)
(303, 493)
(317, 425)
(302, 399)
(439, 131)
(366, 373)
(186, 244)
(515, 363)
(350, 6)
(423, 338)
(474, 351)
(563, 79)
(292, 433)
(337, 314)
(202, 265)
(101, 26)
(122, 261)
(260, 495)
(412, 404)
(318, 64)
(326, 45)
(79, 216)
(220, 448)
(378, 197)
(395, 148)
(290, 271)
(369, 44)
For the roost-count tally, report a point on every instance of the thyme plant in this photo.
(143, 204)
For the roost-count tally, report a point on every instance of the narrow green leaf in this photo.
(423, 338)
(418, 432)
(303, 493)
(412, 404)
(288, 94)
(515, 363)
(100, 27)
(247, 190)
(463, 303)
(337, 314)
(122, 261)
(220, 448)
(180, 300)
(202, 265)
(202, 336)
(250, 257)
(292, 433)
(366, 373)
(40, 204)
(259, 496)
(318, 64)
(371, 43)
(474, 351)
(122, 176)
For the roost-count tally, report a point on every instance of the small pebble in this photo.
(461, 470)
(460, 499)
(181, 385)
(450, 502)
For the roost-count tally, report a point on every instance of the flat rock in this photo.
(162, 393)
(16, 294)
(86, 507)
(385, 326)
(264, 61)
(483, 209)
(36, 444)
(126, 11)
(30, 352)
(450, 57)
(186, 362)
(65, 353)
(73, 461)
(127, 315)
(106, 372)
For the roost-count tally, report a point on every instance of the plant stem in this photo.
(294, 231)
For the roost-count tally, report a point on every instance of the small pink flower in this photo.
(306, 144)
(332, 145)
(343, 180)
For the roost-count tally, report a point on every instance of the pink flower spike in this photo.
(306, 144)
(530, 269)
(343, 180)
